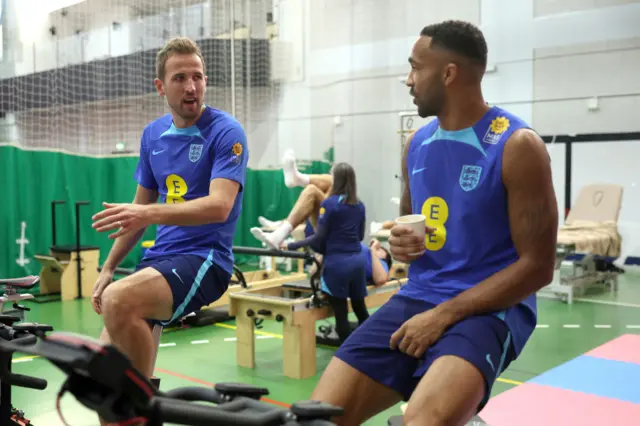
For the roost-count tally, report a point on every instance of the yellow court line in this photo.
(509, 381)
(279, 336)
(25, 358)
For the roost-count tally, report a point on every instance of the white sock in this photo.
(266, 223)
(292, 177)
(275, 238)
(375, 227)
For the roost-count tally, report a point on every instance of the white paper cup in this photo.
(417, 223)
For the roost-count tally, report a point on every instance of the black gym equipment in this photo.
(103, 380)
(18, 335)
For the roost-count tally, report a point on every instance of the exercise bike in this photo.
(17, 335)
(102, 379)
(11, 287)
(22, 333)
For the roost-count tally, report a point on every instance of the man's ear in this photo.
(450, 73)
(159, 86)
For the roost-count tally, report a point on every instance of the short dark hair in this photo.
(388, 259)
(460, 37)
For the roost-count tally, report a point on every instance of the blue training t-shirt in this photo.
(455, 180)
(366, 252)
(180, 163)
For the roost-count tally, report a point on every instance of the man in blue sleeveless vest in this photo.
(194, 159)
(482, 179)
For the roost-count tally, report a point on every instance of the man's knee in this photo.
(143, 295)
(312, 192)
(117, 306)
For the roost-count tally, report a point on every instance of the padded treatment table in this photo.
(589, 242)
(297, 305)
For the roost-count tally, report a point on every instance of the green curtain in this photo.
(32, 179)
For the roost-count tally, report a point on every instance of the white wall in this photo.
(550, 58)
(341, 62)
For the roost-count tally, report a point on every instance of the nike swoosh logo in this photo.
(418, 170)
(154, 152)
(490, 362)
(176, 274)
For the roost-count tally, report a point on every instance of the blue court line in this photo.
(595, 376)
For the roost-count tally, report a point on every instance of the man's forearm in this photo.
(121, 247)
(500, 291)
(189, 213)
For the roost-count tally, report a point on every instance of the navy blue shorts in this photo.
(344, 276)
(195, 282)
(482, 340)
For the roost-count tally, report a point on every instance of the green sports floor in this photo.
(206, 355)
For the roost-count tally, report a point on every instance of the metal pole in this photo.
(232, 40)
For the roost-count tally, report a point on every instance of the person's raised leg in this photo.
(307, 206)
(322, 182)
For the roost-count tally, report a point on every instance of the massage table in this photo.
(588, 244)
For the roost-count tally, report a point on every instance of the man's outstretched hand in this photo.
(125, 217)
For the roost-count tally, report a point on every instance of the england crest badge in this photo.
(470, 177)
(195, 152)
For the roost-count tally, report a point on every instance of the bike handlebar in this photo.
(102, 379)
(23, 381)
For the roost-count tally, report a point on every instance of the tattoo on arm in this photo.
(405, 199)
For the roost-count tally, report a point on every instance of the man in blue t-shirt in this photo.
(194, 159)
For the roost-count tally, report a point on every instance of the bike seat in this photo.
(8, 319)
(22, 282)
(315, 410)
(31, 327)
(241, 389)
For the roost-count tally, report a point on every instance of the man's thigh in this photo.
(193, 281)
(368, 350)
(480, 345)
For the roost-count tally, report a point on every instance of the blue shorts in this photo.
(195, 282)
(345, 276)
(482, 340)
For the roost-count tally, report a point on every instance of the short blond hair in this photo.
(179, 45)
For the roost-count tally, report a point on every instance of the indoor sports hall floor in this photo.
(566, 383)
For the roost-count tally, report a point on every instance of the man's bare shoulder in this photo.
(524, 146)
